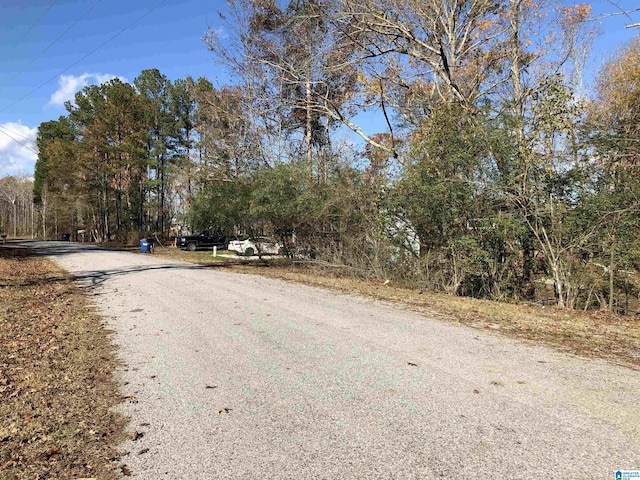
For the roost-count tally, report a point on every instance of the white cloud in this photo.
(69, 85)
(17, 154)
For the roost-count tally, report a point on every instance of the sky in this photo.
(50, 49)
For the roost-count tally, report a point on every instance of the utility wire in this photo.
(6, 132)
(626, 13)
(85, 56)
(16, 133)
(95, 4)
(56, 40)
(34, 24)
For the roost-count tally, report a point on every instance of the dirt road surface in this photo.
(236, 376)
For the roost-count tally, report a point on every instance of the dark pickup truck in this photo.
(205, 239)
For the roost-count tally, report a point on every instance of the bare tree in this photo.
(16, 203)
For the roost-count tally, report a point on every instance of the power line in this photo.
(85, 56)
(626, 13)
(16, 133)
(6, 132)
(34, 24)
(56, 40)
(95, 4)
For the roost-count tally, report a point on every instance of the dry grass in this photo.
(57, 391)
(588, 334)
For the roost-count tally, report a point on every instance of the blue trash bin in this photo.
(66, 237)
(144, 245)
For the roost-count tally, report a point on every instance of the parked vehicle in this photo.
(204, 239)
(256, 245)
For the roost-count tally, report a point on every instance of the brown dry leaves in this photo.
(56, 385)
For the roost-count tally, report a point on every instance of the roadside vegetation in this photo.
(57, 390)
(493, 169)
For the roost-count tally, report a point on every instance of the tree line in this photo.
(118, 163)
(492, 173)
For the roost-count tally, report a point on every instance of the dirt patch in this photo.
(599, 334)
(57, 390)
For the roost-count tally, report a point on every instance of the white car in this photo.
(256, 245)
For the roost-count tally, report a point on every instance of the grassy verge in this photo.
(588, 334)
(56, 386)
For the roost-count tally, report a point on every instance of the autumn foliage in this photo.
(449, 145)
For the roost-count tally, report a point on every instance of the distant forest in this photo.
(494, 174)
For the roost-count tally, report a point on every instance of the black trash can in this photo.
(66, 237)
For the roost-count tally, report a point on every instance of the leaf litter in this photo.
(57, 390)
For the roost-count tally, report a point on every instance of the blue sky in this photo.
(43, 45)
(39, 39)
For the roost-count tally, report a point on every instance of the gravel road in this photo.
(240, 377)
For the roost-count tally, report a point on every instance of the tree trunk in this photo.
(15, 218)
(559, 286)
(308, 127)
(162, 191)
(611, 273)
(44, 212)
